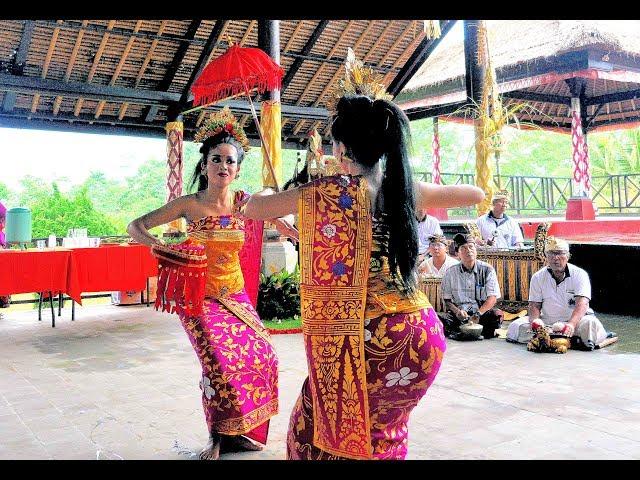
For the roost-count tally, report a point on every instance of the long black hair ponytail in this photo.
(374, 131)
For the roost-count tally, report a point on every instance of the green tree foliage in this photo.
(529, 152)
(6, 195)
(56, 212)
(105, 205)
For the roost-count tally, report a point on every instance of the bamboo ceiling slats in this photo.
(137, 54)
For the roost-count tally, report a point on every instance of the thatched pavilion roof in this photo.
(535, 62)
(125, 76)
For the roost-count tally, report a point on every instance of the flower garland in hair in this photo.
(222, 121)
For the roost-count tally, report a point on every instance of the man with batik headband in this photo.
(427, 226)
(470, 291)
(211, 282)
(496, 227)
(439, 262)
(559, 296)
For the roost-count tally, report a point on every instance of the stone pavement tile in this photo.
(72, 451)
(6, 409)
(428, 452)
(151, 370)
(629, 429)
(607, 441)
(15, 433)
(47, 422)
(582, 453)
(20, 395)
(63, 434)
(34, 452)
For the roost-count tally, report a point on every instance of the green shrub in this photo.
(279, 295)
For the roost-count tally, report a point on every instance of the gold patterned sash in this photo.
(335, 251)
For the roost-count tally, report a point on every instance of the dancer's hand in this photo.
(239, 206)
(285, 227)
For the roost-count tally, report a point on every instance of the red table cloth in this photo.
(77, 270)
(26, 271)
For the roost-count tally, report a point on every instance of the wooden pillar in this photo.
(439, 213)
(270, 114)
(476, 54)
(474, 73)
(175, 134)
(269, 41)
(580, 206)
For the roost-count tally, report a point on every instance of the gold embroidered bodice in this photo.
(222, 238)
(386, 295)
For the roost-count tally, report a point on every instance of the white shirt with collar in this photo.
(428, 268)
(427, 227)
(509, 233)
(559, 300)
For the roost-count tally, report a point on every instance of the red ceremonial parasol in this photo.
(238, 70)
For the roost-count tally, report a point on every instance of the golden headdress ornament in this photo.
(222, 120)
(358, 80)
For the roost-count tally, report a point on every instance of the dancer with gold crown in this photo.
(373, 342)
(202, 281)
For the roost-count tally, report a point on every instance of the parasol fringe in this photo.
(207, 94)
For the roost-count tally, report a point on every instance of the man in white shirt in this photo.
(498, 229)
(438, 263)
(427, 226)
(559, 296)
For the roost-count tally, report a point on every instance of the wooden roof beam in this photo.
(250, 28)
(417, 58)
(329, 85)
(74, 26)
(170, 74)
(47, 62)
(538, 97)
(308, 46)
(118, 69)
(31, 85)
(214, 37)
(298, 125)
(72, 60)
(94, 66)
(114, 93)
(296, 31)
(143, 68)
(613, 97)
(9, 100)
(435, 111)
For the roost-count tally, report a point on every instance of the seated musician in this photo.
(559, 296)
(439, 262)
(497, 229)
(470, 291)
(427, 226)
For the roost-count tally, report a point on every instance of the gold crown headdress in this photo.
(358, 80)
(220, 121)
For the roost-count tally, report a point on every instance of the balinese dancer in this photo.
(374, 344)
(239, 365)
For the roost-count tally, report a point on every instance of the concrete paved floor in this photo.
(122, 382)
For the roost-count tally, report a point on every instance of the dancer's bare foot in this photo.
(237, 443)
(212, 450)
